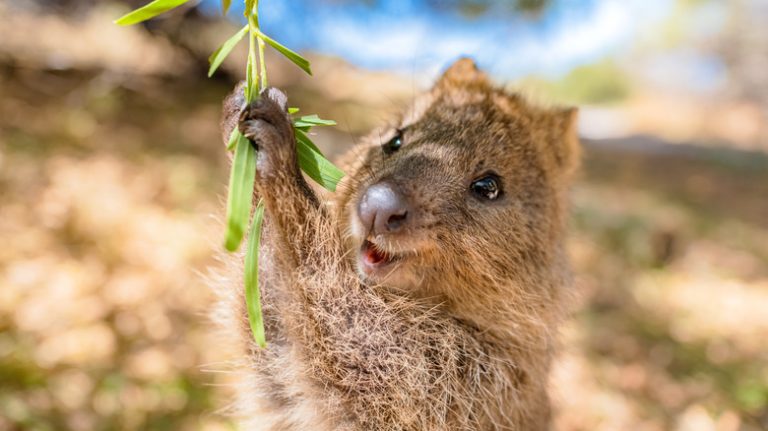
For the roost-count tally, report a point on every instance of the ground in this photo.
(111, 199)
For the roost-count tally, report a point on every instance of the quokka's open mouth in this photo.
(374, 258)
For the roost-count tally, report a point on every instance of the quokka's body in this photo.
(426, 294)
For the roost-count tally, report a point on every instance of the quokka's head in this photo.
(465, 185)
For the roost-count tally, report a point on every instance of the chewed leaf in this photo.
(311, 121)
(252, 293)
(300, 61)
(223, 51)
(240, 194)
(315, 165)
(150, 10)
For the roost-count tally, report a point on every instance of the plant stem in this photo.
(257, 81)
(258, 77)
(260, 40)
(262, 64)
(255, 42)
(253, 78)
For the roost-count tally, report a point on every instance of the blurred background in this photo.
(113, 177)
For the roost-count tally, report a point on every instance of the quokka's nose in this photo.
(383, 209)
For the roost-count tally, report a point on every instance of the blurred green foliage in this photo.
(603, 82)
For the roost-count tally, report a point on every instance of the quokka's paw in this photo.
(231, 109)
(267, 124)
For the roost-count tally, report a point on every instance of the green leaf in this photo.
(311, 121)
(296, 58)
(252, 294)
(223, 51)
(248, 7)
(293, 110)
(308, 142)
(150, 10)
(315, 119)
(233, 139)
(249, 80)
(315, 165)
(240, 194)
(225, 6)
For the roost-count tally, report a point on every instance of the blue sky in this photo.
(411, 37)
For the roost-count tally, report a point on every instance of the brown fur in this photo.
(459, 336)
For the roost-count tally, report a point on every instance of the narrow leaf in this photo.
(252, 293)
(223, 51)
(296, 58)
(233, 139)
(150, 10)
(315, 165)
(312, 120)
(240, 194)
(225, 4)
(308, 142)
(248, 7)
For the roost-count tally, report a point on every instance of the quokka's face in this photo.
(462, 178)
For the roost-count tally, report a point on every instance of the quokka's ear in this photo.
(563, 139)
(462, 72)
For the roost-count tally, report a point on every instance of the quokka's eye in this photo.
(393, 144)
(487, 187)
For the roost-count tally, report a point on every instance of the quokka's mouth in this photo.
(373, 258)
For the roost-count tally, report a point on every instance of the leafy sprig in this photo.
(241, 180)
